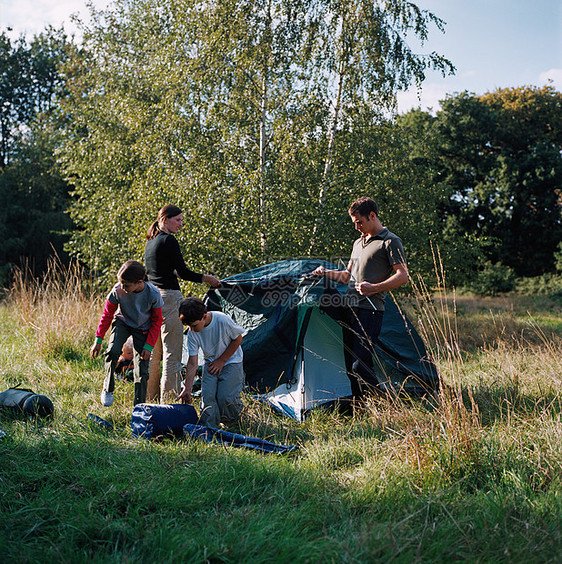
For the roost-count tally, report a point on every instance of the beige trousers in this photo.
(168, 350)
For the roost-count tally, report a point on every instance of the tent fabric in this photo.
(212, 435)
(293, 349)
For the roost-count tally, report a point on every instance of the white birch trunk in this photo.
(325, 183)
(263, 149)
(262, 186)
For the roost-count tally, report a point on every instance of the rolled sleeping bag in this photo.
(27, 402)
(151, 421)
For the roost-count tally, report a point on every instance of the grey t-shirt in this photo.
(371, 261)
(135, 308)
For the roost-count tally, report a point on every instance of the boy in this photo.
(223, 376)
(133, 308)
(125, 364)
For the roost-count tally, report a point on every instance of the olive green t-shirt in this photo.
(371, 261)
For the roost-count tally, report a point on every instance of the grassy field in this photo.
(473, 477)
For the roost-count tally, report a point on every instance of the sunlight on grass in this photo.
(471, 474)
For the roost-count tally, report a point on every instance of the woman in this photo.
(164, 265)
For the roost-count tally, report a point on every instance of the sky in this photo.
(492, 43)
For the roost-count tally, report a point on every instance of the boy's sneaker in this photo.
(106, 398)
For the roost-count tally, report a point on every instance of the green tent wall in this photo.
(293, 350)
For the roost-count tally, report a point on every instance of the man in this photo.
(377, 265)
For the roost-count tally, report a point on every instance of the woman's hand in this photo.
(211, 280)
(320, 271)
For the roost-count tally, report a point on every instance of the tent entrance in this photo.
(319, 375)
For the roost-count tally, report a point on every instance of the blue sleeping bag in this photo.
(153, 420)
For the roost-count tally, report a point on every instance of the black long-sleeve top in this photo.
(162, 255)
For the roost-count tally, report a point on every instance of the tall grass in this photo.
(59, 308)
(471, 475)
(490, 397)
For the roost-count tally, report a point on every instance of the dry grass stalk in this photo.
(59, 307)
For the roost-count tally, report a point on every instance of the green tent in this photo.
(293, 350)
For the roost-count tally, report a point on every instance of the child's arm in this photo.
(191, 370)
(215, 367)
(105, 321)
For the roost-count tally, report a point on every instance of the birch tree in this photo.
(361, 57)
(244, 114)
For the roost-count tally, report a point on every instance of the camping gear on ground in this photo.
(99, 422)
(212, 435)
(153, 420)
(293, 350)
(27, 402)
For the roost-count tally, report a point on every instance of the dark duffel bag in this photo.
(153, 420)
(27, 402)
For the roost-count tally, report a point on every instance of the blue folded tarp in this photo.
(210, 435)
(99, 422)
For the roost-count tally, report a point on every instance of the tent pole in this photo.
(353, 279)
(302, 390)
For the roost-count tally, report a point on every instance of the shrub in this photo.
(545, 285)
(558, 258)
(493, 279)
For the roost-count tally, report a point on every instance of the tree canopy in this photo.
(499, 157)
(33, 195)
(261, 120)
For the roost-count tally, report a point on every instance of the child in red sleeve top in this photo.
(136, 306)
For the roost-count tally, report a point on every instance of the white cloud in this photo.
(32, 16)
(427, 97)
(554, 75)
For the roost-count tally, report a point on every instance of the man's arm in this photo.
(399, 278)
(215, 367)
(341, 276)
(191, 370)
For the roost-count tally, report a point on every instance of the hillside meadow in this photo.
(471, 475)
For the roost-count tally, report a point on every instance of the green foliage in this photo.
(558, 257)
(455, 249)
(545, 285)
(498, 156)
(33, 196)
(493, 279)
(227, 111)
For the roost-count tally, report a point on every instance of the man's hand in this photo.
(95, 350)
(365, 288)
(215, 367)
(320, 271)
(185, 396)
